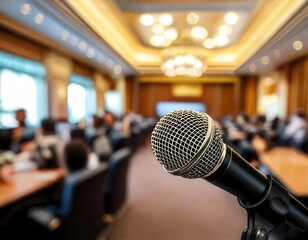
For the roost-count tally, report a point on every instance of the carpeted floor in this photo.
(161, 206)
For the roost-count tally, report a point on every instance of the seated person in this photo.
(49, 146)
(22, 134)
(76, 154)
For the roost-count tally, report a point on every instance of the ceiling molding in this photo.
(104, 26)
(169, 6)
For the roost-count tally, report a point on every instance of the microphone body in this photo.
(188, 144)
(264, 195)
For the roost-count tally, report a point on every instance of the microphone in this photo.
(187, 143)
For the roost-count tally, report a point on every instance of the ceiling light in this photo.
(146, 20)
(157, 40)
(231, 18)
(117, 69)
(25, 9)
(166, 19)
(171, 34)
(90, 53)
(221, 40)
(39, 18)
(199, 32)
(209, 43)
(297, 45)
(65, 35)
(265, 60)
(225, 29)
(158, 29)
(180, 61)
(177, 65)
(192, 18)
(82, 46)
(252, 67)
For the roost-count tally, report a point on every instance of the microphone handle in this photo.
(264, 195)
(238, 177)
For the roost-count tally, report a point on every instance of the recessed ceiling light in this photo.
(209, 43)
(25, 9)
(65, 35)
(297, 45)
(158, 29)
(90, 53)
(231, 18)
(171, 34)
(166, 19)
(117, 69)
(265, 60)
(192, 18)
(39, 18)
(225, 29)
(252, 67)
(146, 19)
(221, 40)
(82, 46)
(199, 32)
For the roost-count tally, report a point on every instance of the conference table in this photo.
(27, 183)
(288, 164)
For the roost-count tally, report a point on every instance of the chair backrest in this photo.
(81, 205)
(46, 156)
(6, 138)
(116, 186)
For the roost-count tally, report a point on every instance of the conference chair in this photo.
(116, 186)
(79, 214)
(6, 138)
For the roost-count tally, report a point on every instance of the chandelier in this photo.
(186, 61)
(186, 42)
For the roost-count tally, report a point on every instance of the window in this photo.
(114, 102)
(22, 85)
(81, 98)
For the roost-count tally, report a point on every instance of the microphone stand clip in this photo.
(271, 210)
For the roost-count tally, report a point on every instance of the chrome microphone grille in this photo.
(187, 143)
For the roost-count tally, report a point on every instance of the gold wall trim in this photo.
(183, 80)
(187, 90)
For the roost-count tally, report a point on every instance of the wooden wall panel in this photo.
(249, 95)
(15, 44)
(298, 85)
(220, 98)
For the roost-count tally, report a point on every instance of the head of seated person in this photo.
(21, 116)
(78, 133)
(48, 126)
(76, 155)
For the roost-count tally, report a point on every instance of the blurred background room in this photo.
(84, 82)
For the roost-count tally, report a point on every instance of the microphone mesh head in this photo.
(181, 135)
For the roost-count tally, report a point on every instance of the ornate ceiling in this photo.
(109, 35)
